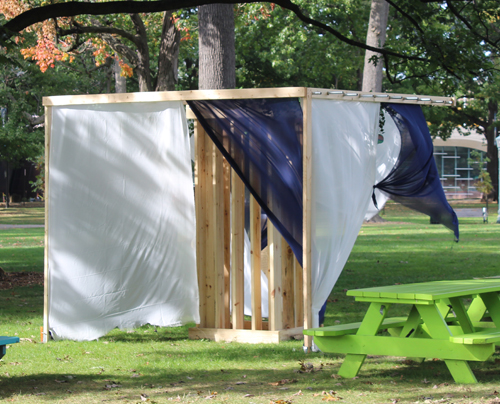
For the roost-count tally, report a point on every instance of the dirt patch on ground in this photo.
(9, 280)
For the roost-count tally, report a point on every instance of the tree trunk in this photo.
(143, 66)
(120, 81)
(169, 55)
(7, 192)
(492, 150)
(377, 26)
(217, 68)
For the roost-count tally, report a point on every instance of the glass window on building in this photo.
(456, 174)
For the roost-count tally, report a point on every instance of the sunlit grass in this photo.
(164, 365)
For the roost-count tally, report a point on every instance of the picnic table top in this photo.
(8, 340)
(428, 291)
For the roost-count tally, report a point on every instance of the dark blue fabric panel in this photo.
(262, 141)
(414, 180)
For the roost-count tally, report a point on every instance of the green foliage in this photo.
(483, 184)
(274, 48)
(39, 184)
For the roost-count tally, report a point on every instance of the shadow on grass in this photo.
(429, 380)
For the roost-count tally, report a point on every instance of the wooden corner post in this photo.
(46, 284)
(307, 203)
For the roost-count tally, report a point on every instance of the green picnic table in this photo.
(438, 325)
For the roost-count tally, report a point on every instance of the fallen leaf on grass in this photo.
(280, 402)
(283, 381)
(249, 395)
(238, 383)
(27, 340)
(328, 395)
(211, 395)
(15, 363)
(112, 385)
(61, 381)
(306, 367)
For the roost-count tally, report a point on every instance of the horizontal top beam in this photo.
(247, 93)
(347, 95)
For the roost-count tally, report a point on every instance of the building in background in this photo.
(452, 160)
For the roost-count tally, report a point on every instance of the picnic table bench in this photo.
(473, 212)
(438, 325)
(4, 341)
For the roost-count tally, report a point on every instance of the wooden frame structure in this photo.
(220, 223)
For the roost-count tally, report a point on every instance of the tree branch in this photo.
(78, 29)
(72, 8)
(468, 25)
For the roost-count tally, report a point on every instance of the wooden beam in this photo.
(287, 273)
(247, 336)
(238, 249)
(274, 278)
(46, 267)
(255, 239)
(246, 93)
(210, 284)
(201, 184)
(346, 95)
(307, 203)
(227, 243)
(299, 293)
(218, 235)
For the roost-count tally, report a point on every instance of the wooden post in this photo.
(299, 293)
(307, 203)
(201, 185)
(238, 248)
(274, 278)
(255, 239)
(210, 284)
(218, 236)
(227, 243)
(287, 290)
(46, 268)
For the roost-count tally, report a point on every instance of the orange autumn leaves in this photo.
(49, 49)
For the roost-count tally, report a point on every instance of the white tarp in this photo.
(387, 156)
(121, 224)
(264, 291)
(343, 174)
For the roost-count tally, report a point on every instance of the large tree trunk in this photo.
(217, 68)
(169, 55)
(492, 150)
(377, 26)
(143, 66)
(120, 81)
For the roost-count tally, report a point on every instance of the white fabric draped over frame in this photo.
(343, 174)
(121, 223)
(387, 157)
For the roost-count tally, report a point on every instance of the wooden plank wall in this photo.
(220, 217)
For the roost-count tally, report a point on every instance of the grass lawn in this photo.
(166, 367)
